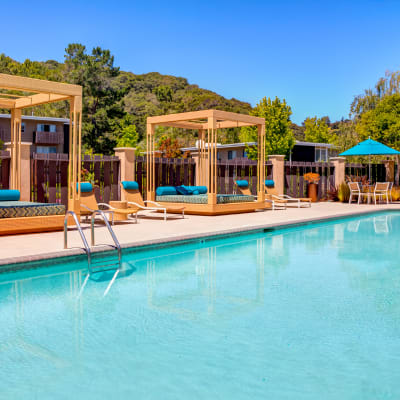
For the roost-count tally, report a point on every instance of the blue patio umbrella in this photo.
(370, 148)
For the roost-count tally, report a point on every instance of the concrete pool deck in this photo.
(154, 230)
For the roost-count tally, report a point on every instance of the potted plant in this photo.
(312, 178)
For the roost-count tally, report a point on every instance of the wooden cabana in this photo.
(17, 93)
(208, 123)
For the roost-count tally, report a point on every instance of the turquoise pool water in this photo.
(309, 312)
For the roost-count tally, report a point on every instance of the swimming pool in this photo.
(310, 312)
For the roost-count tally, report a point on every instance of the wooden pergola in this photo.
(17, 93)
(208, 123)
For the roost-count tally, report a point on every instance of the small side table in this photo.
(121, 205)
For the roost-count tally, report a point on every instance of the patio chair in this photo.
(356, 191)
(89, 205)
(382, 189)
(130, 191)
(273, 194)
(243, 187)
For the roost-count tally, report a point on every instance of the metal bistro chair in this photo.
(356, 191)
(382, 189)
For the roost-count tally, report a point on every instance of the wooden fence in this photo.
(232, 170)
(4, 169)
(49, 177)
(168, 172)
(378, 171)
(296, 186)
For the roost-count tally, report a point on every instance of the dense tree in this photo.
(128, 136)
(382, 123)
(102, 100)
(386, 86)
(279, 138)
(316, 130)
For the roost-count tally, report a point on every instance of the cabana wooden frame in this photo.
(17, 93)
(207, 123)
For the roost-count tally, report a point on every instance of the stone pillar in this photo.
(389, 165)
(127, 164)
(25, 169)
(278, 172)
(339, 164)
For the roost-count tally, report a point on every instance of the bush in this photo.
(343, 192)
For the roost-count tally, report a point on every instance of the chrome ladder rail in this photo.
(78, 225)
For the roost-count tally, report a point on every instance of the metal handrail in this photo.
(116, 242)
(78, 225)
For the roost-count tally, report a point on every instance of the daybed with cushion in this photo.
(25, 217)
(196, 200)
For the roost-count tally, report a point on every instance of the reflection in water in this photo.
(205, 289)
(318, 299)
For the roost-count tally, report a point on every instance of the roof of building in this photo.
(37, 118)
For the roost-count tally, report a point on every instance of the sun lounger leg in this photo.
(183, 214)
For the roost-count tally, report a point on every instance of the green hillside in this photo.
(115, 100)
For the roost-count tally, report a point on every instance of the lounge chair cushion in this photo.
(86, 187)
(242, 184)
(9, 195)
(166, 191)
(17, 209)
(269, 183)
(130, 185)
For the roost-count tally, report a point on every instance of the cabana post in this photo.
(17, 93)
(208, 123)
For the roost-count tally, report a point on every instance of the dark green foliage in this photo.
(109, 95)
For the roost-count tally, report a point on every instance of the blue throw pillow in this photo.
(182, 190)
(166, 191)
(130, 185)
(200, 189)
(86, 187)
(269, 183)
(9, 195)
(195, 192)
(242, 184)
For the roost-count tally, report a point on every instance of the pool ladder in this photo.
(98, 266)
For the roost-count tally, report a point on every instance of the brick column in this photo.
(278, 172)
(25, 169)
(127, 164)
(340, 164)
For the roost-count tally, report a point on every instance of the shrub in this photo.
(343, 192)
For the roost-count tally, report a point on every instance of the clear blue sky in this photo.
(315, 54)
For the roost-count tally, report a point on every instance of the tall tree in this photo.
(382, 123)
(279, 138)
(102, 100)
(316, 130)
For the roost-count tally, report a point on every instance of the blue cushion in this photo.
(242, 184)
(195, 192)
(9, 195)
(191, 189)
(130, 185)
(86, 187)
(269, 183)
(166, 191)
(182, 190)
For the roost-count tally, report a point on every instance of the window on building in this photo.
(321, 154)
(230, 155)
(23, 127)
(46, 128)
(46, 149)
